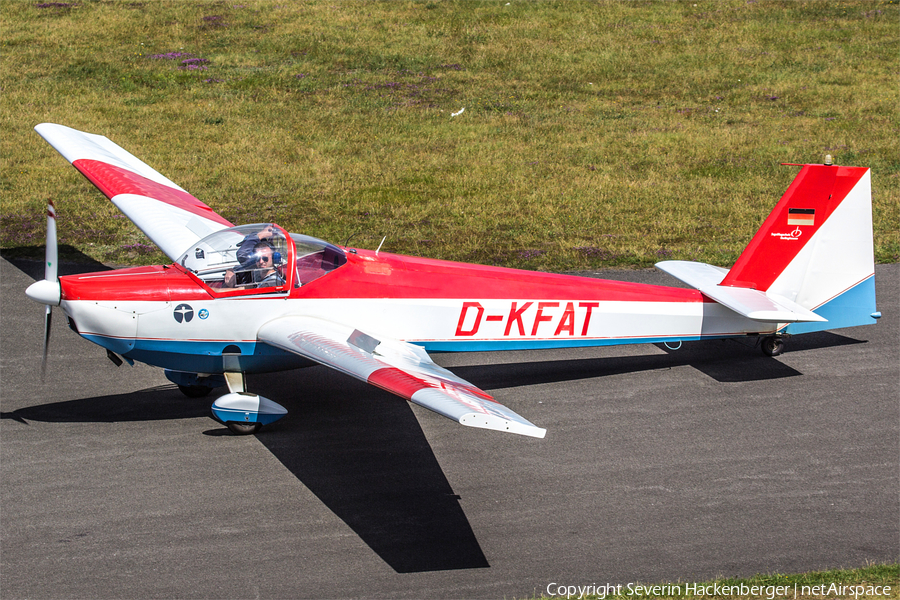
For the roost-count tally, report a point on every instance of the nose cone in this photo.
(45, 292)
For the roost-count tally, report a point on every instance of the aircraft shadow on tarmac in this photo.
(726, 361)
(362, 452)
(153, 404)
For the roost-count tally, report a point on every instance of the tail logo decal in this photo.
(792, 236)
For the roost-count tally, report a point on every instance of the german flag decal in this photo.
(801, 216)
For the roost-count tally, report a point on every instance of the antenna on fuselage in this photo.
(380, 245)
(350, 237)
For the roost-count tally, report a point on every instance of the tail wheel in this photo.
(243, 428)
(772, 345)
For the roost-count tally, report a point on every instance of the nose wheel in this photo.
(242, 412)
(772, 345)
(243, 428)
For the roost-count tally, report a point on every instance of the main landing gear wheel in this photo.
(195, 391)
(772, 345)
(243, 428)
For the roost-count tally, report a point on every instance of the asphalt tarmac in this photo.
(658, 465)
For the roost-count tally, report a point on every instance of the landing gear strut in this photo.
(772, 345)
(192, 385)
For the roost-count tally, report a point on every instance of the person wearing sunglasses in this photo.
(259, 261)
(265, 271)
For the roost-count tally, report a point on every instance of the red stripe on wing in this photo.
(112, 181)
(397, 382)
(405, 385)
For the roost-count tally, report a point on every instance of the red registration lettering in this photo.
(516, 315)
(470, 322)
(567, 323)
(462, 318)
(540, 316)
(587, 317)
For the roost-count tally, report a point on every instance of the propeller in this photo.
(47, 291)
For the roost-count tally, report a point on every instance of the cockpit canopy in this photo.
(261, 255)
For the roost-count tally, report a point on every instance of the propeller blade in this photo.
(51, 275)
(47, 290)
(48, 318)
(51, 254)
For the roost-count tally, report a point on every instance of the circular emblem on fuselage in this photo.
(203, 314)
(184, 312)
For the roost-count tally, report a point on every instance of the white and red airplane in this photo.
(256, 298)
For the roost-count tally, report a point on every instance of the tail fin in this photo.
(811, 264)
(816, 249)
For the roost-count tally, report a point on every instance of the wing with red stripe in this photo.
(172, 218)
(398, 367)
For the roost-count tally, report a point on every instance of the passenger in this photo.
(258, 260)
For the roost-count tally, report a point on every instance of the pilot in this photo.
(257, 257)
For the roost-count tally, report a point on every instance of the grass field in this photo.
(595, 134)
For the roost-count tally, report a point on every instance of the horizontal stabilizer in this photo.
(753, 304)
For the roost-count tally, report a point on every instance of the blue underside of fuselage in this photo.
(496, 345)
(203, 356)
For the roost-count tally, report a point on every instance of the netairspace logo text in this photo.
(770, 592)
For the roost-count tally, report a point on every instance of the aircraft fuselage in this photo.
(168, 317)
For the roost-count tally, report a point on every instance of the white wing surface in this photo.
(172, 218)
(398, 367)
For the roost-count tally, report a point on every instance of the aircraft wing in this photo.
(398, 367)
(172, 218)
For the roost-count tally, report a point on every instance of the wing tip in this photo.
(496, 423)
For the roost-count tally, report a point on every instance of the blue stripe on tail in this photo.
(854, 307)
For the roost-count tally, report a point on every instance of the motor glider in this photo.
(256, 298)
